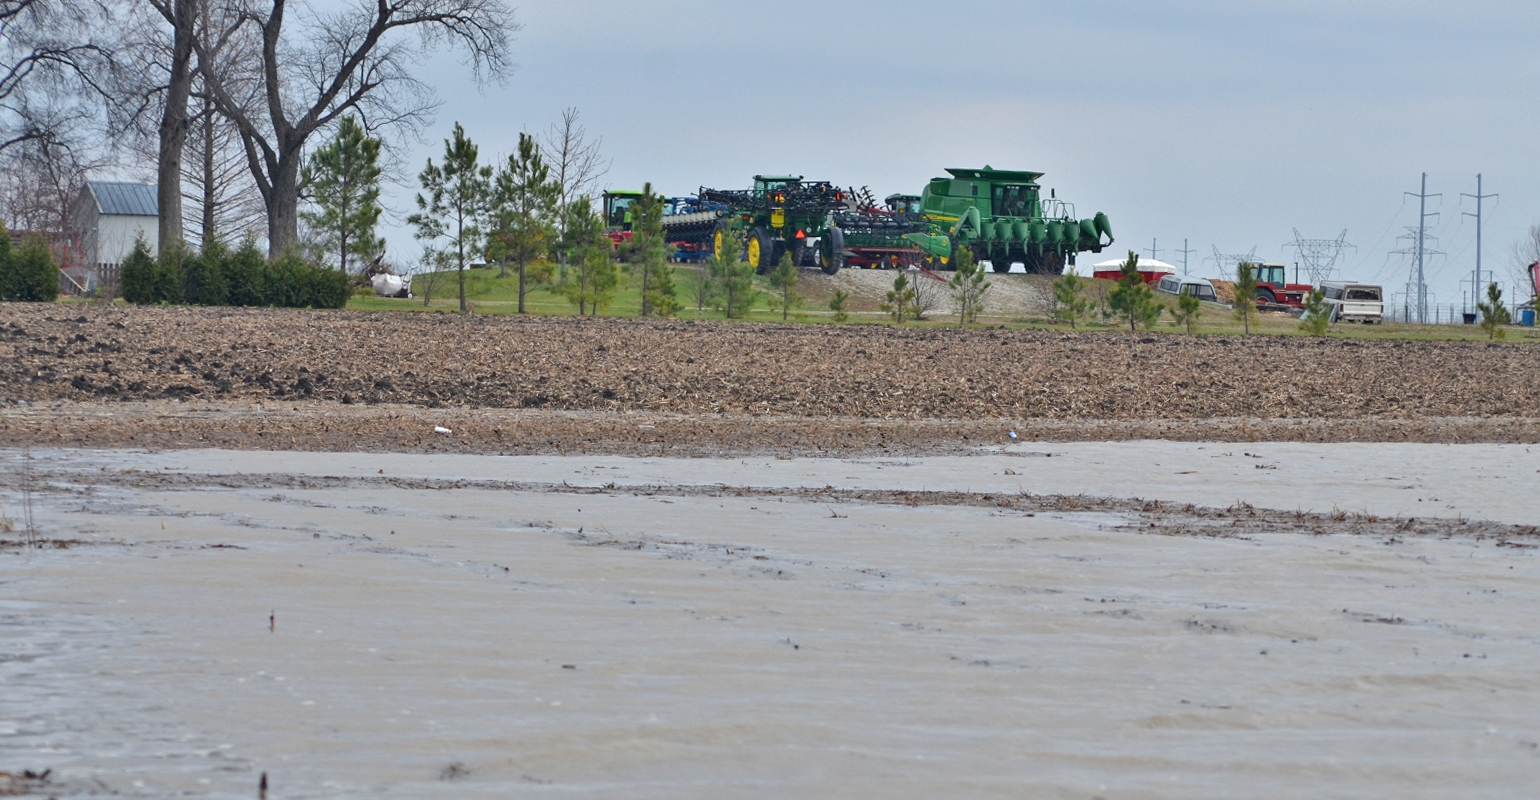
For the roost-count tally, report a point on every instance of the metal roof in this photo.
(125, 199)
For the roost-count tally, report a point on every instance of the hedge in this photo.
(218, 277)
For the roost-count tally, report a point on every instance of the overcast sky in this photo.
(1228, 124)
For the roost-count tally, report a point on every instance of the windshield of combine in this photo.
(1015, 201)
(1363, 294)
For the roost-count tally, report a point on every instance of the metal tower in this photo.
(1416, 298)
(1319, 255)
(1225, 263)
(1154, 251)
(1475, 287)
(1420, 251)
(1185, 251)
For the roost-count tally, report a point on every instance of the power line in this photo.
(1319, 255)
(1225, 263)
(1185, 251)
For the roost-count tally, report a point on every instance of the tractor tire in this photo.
(720, 236)
(760, 250)
(831, 253)
(1266, 296)
(1049, 262)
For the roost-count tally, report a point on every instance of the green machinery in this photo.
(778, 216)
(1003, 218)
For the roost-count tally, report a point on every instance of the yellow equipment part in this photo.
(754, 251)
(778, 218)
(716, 242)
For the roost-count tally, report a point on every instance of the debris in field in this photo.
(441, 429)
(1012, 434)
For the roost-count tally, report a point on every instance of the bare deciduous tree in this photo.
(355, 59)
(576, 167)
(56, 65)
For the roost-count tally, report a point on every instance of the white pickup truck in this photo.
(1354, 302)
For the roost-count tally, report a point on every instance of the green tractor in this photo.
(778, 216)
(1003, 218)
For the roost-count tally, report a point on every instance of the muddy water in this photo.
(481, 643)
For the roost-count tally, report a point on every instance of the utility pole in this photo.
(1476, 287)
(1422, 235)
(1154, 253)
(1185, 251)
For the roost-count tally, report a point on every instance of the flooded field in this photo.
(1324, 620)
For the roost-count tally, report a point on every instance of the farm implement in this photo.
(1003, 218)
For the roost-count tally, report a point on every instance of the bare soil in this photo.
(116, 376)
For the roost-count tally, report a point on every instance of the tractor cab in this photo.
(1273, 274)
(903, 204)
(769, 185)
(617, 209)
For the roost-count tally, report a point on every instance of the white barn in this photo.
(107, 218)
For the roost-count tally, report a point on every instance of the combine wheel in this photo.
(831, 255)
(1049, 262)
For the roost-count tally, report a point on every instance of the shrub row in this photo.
(29, 273)
(219, 277)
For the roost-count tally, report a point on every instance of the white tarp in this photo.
(1145, 265)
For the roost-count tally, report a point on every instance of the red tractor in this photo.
(1273, 288)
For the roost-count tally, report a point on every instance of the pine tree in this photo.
(1245, 294)
(1494, 315)
(342, 180)
(592, 275)
(649, 255)
(136, 277)
(1132, 298)
(522, 215)
(784, 280)
(1317, 317)
(900, 299)
(733, 276)
(968, 286)
(1185, 315)
(837, 305)
(457, 199)
(1070, 302)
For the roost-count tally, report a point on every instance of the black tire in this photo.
(1266, 296)
(759, 250)
(1049, 262)
(831, 253)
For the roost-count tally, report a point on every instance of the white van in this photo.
(1180, 284)
(1354, 302)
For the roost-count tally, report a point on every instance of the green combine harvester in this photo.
(1002, 217)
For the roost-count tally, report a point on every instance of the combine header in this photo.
(1002, 216)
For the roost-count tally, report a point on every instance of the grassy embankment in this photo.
(489, 294)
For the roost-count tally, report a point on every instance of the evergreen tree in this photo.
(649, 255)
(456, 202)
(900, 300)
(734, 277)
(968, 286)
(136, 277)
(1317, 317)
(1494, 315)
(342, 179)
(784, 280)
(522, 215)
(592, 275)
(837, 305)
(245, 274)
(1186, 313)
(29, 274)
(1070, 301)
(1246, 294)
(203, 279)
(1132, 298)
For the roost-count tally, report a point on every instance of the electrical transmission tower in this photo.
(1225, 263)
(1154, 251)
(1319, 255)
(1415, 299)
(1475, 286)
(1185, 251)
(1417, 284)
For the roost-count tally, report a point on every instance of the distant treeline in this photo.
(220, 277)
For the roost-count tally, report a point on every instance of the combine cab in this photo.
(778, 216)
(1002, 216)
